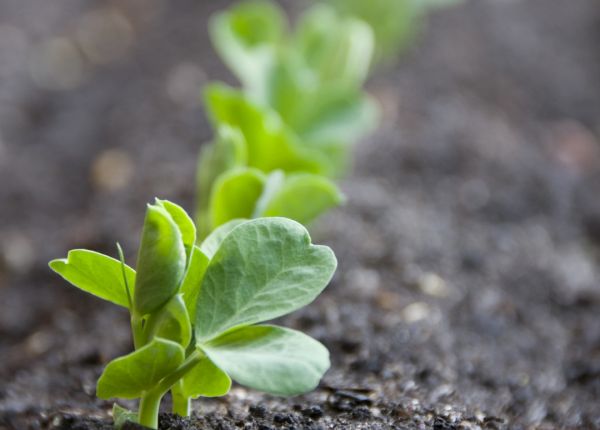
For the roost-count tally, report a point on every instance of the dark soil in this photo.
(468, 294)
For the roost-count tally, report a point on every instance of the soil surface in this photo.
(468, 293)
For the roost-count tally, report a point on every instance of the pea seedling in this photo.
(310, 78)
(195, 309)
(228, 189)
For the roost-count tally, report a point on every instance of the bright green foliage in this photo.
(270, 143)
(300, 111)
(246, 272)
(247, 38)
(235, 194)
(311, 78)
(96, 274)
(246, 193)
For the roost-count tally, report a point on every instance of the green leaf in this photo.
(235, 195)
(212, 243)
(161, 261)
(96, 274)
(303, 197)
(263, 269)
(273, 184)
(190, 288)
(206, 380)
(271, 144)
(336, 48)
(395, 22)
(129, 376)
(269, 358)
(121, 416)
(247, 37)
(228, 151)
(171, 322)
(184, 223)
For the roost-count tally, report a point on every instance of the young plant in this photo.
(227, 189)
(195, 310)
(311, 78)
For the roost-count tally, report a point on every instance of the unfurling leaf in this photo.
(161, 261)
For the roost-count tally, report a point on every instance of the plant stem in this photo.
(168, 381)
(149, 406)
(137, 331)
(181, 403)
(150, 402)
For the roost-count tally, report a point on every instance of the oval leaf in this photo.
(96, 274)
(271, 359)
(161, 261)
(235, 194)
(129, 376)
(263, 269)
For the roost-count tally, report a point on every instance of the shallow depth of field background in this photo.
(469, 249)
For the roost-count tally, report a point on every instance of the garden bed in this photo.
(468, 291)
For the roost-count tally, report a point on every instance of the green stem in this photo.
(181, 403)
(168, 381)
(149, 406)
(137, 330)
(150, 402)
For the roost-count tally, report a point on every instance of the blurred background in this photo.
(469, 281)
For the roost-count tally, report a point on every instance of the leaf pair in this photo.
(249, 193)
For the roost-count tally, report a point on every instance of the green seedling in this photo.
(227, 189)
(196, 310)
(310, 78)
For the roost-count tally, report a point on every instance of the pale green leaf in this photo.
(336, 48)
(263, 269)
(212, 243)
(190, 288)
(170, 322)
(235, 194)
(269, 358)
(247, 37)
(303, 197)
(271, 144)
(96, 274)
(205, 380)
(129, 376)
(161, 261)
